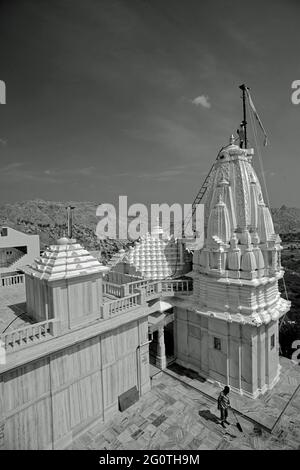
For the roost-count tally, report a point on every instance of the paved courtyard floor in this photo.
(175, 416)
(267, 409)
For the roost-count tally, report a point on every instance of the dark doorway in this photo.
(153, 348)
(169, 342)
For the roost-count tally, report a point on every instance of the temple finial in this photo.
(70, 220)
(231, 139)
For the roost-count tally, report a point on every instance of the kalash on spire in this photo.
(236, 307)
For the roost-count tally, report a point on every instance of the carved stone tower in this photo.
(236, 307)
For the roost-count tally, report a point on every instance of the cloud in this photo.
(169, 132)
(202, 100)
(171, 173)
(10, 167)
(17, 171)
(65, 172)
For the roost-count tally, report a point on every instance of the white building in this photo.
(17, 249)
(228, 332)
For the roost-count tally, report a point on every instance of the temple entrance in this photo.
(161, 350)
(160, 328)
(153, 348)
(169, 342)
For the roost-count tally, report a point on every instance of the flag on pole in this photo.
(257, 117)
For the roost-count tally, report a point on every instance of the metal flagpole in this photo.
(244, 122)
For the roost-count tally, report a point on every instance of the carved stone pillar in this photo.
(161, 360)
(274, 261)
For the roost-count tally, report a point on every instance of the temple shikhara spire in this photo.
(236, 304)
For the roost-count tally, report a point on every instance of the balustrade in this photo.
(12, 280)
(28, 334)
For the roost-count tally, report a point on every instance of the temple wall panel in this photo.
(36, 298)
(61, 303)
(181, 329)
(23, 385)
(196, 287)
(47, 402)
(194, 349)
(217, 359)
(74, 302)
(194, 318)
(246, 366)
(271, 352)
(204, 357)
(234, 349)
(230, 353)
(261, 358)
(254, 371)
(85, 394)
(30, 427)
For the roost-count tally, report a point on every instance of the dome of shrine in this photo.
(63, 241)
(155, 256)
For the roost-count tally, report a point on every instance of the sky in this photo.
(136, 97)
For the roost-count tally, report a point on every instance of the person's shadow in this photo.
(206, 414)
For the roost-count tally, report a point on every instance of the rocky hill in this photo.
(48, 220)
(286, 219)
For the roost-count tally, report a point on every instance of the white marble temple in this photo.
(229, 332)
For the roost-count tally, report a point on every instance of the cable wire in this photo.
(253, 123)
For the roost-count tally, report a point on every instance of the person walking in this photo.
(223, 405)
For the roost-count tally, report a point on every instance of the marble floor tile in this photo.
(175, 416)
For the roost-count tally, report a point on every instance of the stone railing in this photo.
(167, 288)
(151, 288)
(182, 286)
(117, 290)
(12, 280)
(123, 290)
(131, 287)
(28, 334)
(120, 278)
(118, 306)
(136, 293)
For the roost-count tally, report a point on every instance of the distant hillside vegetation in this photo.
(286, 219)
(48, 219)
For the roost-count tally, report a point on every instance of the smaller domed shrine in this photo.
(65, 283)
(155, 256)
